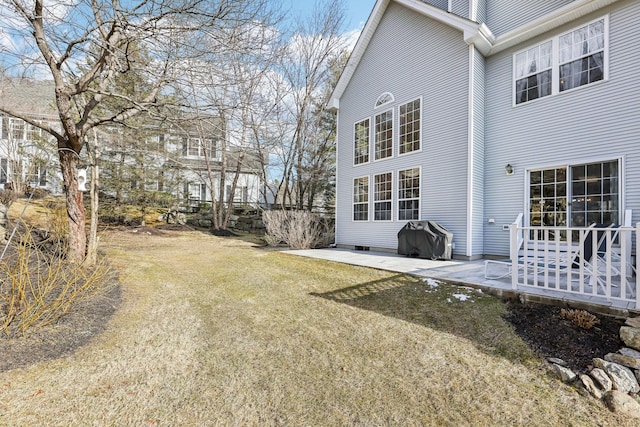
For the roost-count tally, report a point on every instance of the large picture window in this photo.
(384, 135)
(410, 126)
(382, 195)
(409, 194)
(568, 61)
(361, 199)
(575, 195)
(361, 142)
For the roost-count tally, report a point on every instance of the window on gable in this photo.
(533, 73)
(384, 99)
(568, 61)
(384, 135)
(409, 194)
(382, 193)
(361, 199)
(582, 56)
(361, 142)
(410, 126)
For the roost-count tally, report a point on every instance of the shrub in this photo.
(580, 318)
(36, 289)
(298, 229)
(7, 197)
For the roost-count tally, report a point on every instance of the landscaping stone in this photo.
(565, 374)
(629, 352)
(621, 359)
(630, 336)
(602, 379)
(557, 361)
(622, 403)
(590, 386)
(634, 322)
(621, 377)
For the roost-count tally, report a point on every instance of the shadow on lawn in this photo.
(458, 310)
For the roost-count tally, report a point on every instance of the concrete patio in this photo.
(469, 273)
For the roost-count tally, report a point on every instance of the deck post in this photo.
(637, 266)
(513, 254)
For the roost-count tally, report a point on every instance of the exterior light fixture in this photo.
(508, 169)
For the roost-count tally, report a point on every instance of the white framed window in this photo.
(382, 196)
(410, 125)
(581, 55)
(533, 72)
(575, 195)
(571, 60)
(361, 132)
(409, 194)
(384, 135)
(195, 147)
(17, 129)
(384, 99)
(361, 198)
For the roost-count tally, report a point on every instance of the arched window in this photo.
(384, 99)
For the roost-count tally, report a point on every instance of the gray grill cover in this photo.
(425, 239)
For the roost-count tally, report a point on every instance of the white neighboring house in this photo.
(27, 154)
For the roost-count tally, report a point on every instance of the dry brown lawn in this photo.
(214, 331)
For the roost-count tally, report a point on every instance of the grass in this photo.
(214, 331)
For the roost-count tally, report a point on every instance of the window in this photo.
(384, 135)
(382, 193)
(575, 195)
(4, 170)
(571, 60)
(582, 56)
(361, 142)
(409, 194)
(17, 129)
(410, 126)
(195, 147)
(361, 199)
(533, 73)
(384, 99)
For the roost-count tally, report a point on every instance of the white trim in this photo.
(470, 151)
(568, 165)
(353, 143)
(555, 63)
(398, 199)
(382, 104)
(419, 98)
(374, 134)
(353, 203)
(373, 199)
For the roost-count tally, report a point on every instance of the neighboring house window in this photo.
(571, 60)
(533, 73)
(384, 135)
(361, 142)
(410, 126)
(575, 195)
(382, 194)
(409, 194)
(195, 147)
(33, 133)
(361, 199)
(582, 56)
(384, 99)
(17, 129)
(4, 171)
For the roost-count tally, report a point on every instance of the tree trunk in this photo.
(75, 207)
(92, 245)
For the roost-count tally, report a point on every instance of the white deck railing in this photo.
(594, 262)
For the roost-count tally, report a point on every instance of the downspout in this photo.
(470, 153)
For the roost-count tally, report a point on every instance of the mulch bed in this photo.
(549, 335)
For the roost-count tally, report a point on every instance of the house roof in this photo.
(474, 33)
(29, 97)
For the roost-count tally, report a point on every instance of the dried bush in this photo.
(298, 229)
(7, 197)
(580, 318)
(36, 289)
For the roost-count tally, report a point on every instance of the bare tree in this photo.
(84, 45)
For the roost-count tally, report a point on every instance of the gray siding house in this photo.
(470, 112)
